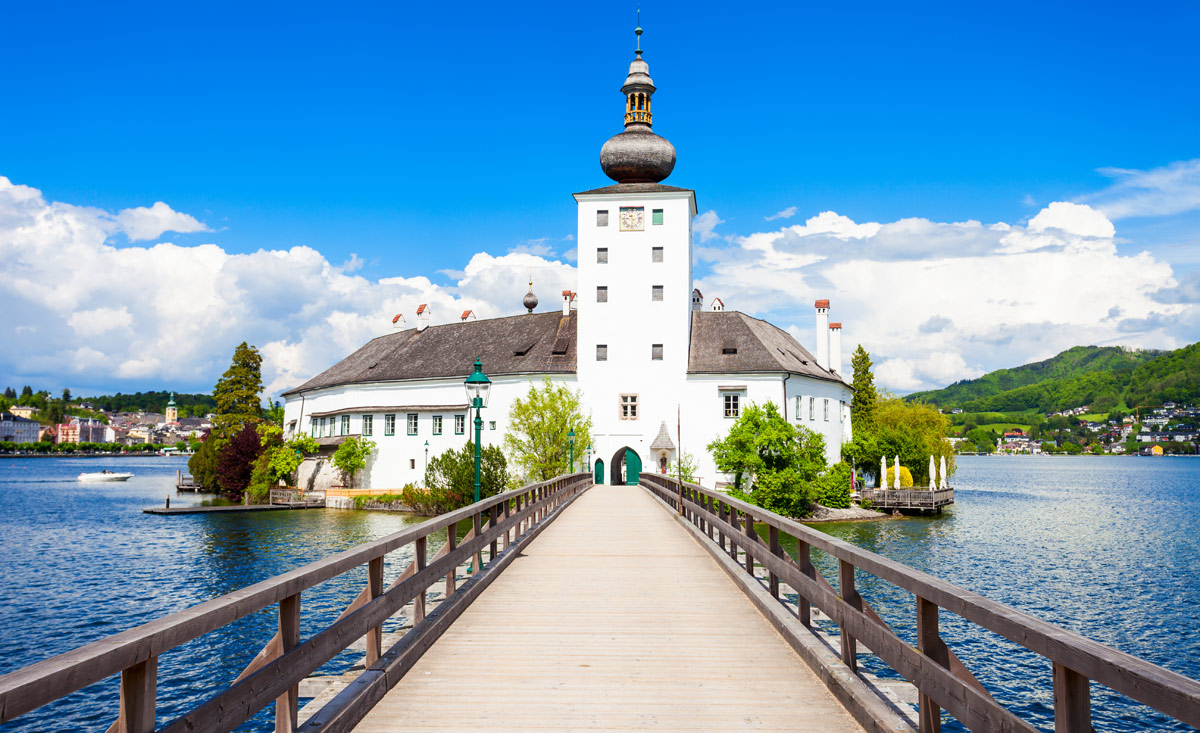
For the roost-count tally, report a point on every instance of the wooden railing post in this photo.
(507, 532)
(420, 559)
(1072, 701)
(287, 705)
(477, 523)
(929, 641)
(708, 505)
(375, 589)
(777, 551)
(750, 541)
(139, 685)
(720, 512)
(850, 596)
(804, 560)
(492, 522)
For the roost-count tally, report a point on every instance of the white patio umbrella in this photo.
(896, 480)
(932, 475)
(883, 484)
(945, 484)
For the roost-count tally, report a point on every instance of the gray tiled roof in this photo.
(538, 343)
(760, 347)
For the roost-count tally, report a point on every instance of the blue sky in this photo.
(405, 140)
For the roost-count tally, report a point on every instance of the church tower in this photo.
(635, 280)
(172, 410)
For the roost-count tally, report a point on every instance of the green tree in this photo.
(685, 467)
(237, 392)
(539, 425)
(450, 476)
(773, 462)
(913, 431)
(66, 396)
(862, 406)
(351, 456)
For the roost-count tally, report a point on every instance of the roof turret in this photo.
(638, 155)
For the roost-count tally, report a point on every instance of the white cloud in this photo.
(787, 213)
(1169, 189)
(150, 222)
(540, 246)
(78, 308)
(937, 302)
(704, 225)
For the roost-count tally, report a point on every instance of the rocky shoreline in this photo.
(852, 514)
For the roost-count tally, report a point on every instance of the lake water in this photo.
(1102, 546)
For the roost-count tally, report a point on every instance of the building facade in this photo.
(17, 429)
(657, 371)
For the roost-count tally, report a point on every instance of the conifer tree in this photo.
(862, 407)
(238, 391)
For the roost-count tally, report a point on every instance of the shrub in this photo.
(833, 487)
(906, 479)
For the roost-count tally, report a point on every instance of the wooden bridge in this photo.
(568, 605)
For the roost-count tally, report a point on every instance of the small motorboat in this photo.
(105, 476)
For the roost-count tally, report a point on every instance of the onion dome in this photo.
(530, 300)
(637, 155)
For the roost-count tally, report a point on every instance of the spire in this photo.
(637, 155)
(638, 32)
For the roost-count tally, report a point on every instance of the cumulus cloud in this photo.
(143, 222)
(539, 246)
(82, 311)
(1169, 189)
(935, 302)
(787, 213)
(704, 225)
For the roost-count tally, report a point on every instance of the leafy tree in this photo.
(833, 487)
(450, 476)
(237, 392)
(351, 456)
(686, 467)
(773, 462)
(538, 427)
(235, 462)
(275, 413)
(862, 406)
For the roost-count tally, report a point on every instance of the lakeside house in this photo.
(17, 429)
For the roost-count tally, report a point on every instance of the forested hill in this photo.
(189, 404)
(1103, 377)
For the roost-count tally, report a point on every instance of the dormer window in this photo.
(728, 350)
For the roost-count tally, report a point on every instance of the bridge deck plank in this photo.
(613, 619)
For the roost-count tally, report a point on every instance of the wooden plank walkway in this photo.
(612, 619)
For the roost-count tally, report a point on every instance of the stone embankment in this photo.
(852, 514)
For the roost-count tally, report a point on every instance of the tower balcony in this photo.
(638, 115)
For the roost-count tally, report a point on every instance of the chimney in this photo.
(398, 322)
(423, 316)
(566, 296)
(835, 347)
(822, 334)
(467, 316)
(718, 305)
(697, 299)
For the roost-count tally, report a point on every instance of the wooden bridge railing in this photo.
(942, 681)
(512, 520)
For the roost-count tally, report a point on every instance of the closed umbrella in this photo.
(932, 475)
(883, 472)
(896, 481)
(945, 484)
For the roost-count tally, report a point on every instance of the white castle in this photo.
(634, 338)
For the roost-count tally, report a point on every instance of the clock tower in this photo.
(635, 283)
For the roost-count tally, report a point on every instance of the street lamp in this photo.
(478, 386)
(427, 455)
(571, 437)
(588, 459)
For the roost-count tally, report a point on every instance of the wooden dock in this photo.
(613, 619)
(920, 500)
(227, 509)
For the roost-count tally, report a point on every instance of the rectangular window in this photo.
(389, 424)
(629, 407)
(368, 425)
(437, 424)
(602, 218)
(412, 462)
(799, 406)
(460, 424)
(602, 255)
(492, 425)
(656, 254)
(656, 352)
(656, 292)
(826, 410)
(656, 217)
(601, 352)
(315, 425)
(812, 408)
(345, 425)
(412, 423)
(328, 423)
(601, 293)
(732, 405)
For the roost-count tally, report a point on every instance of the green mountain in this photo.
(1104, 377)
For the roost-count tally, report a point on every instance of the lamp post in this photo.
(478, 386)
(427, 455)
(588, 458)
(571, 439)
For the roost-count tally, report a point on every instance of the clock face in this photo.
(633, 218)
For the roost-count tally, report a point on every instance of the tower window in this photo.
(601, 352)
(601, 293)
(629, 407)
(656, 352)
(602, 255)
(656, 292)
(656, 217)
(656, 254)
(602, 218)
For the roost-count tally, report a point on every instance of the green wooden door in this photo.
(599, 471)
(633, 467)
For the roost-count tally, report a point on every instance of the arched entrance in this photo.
(625, 467)
(599, 471)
